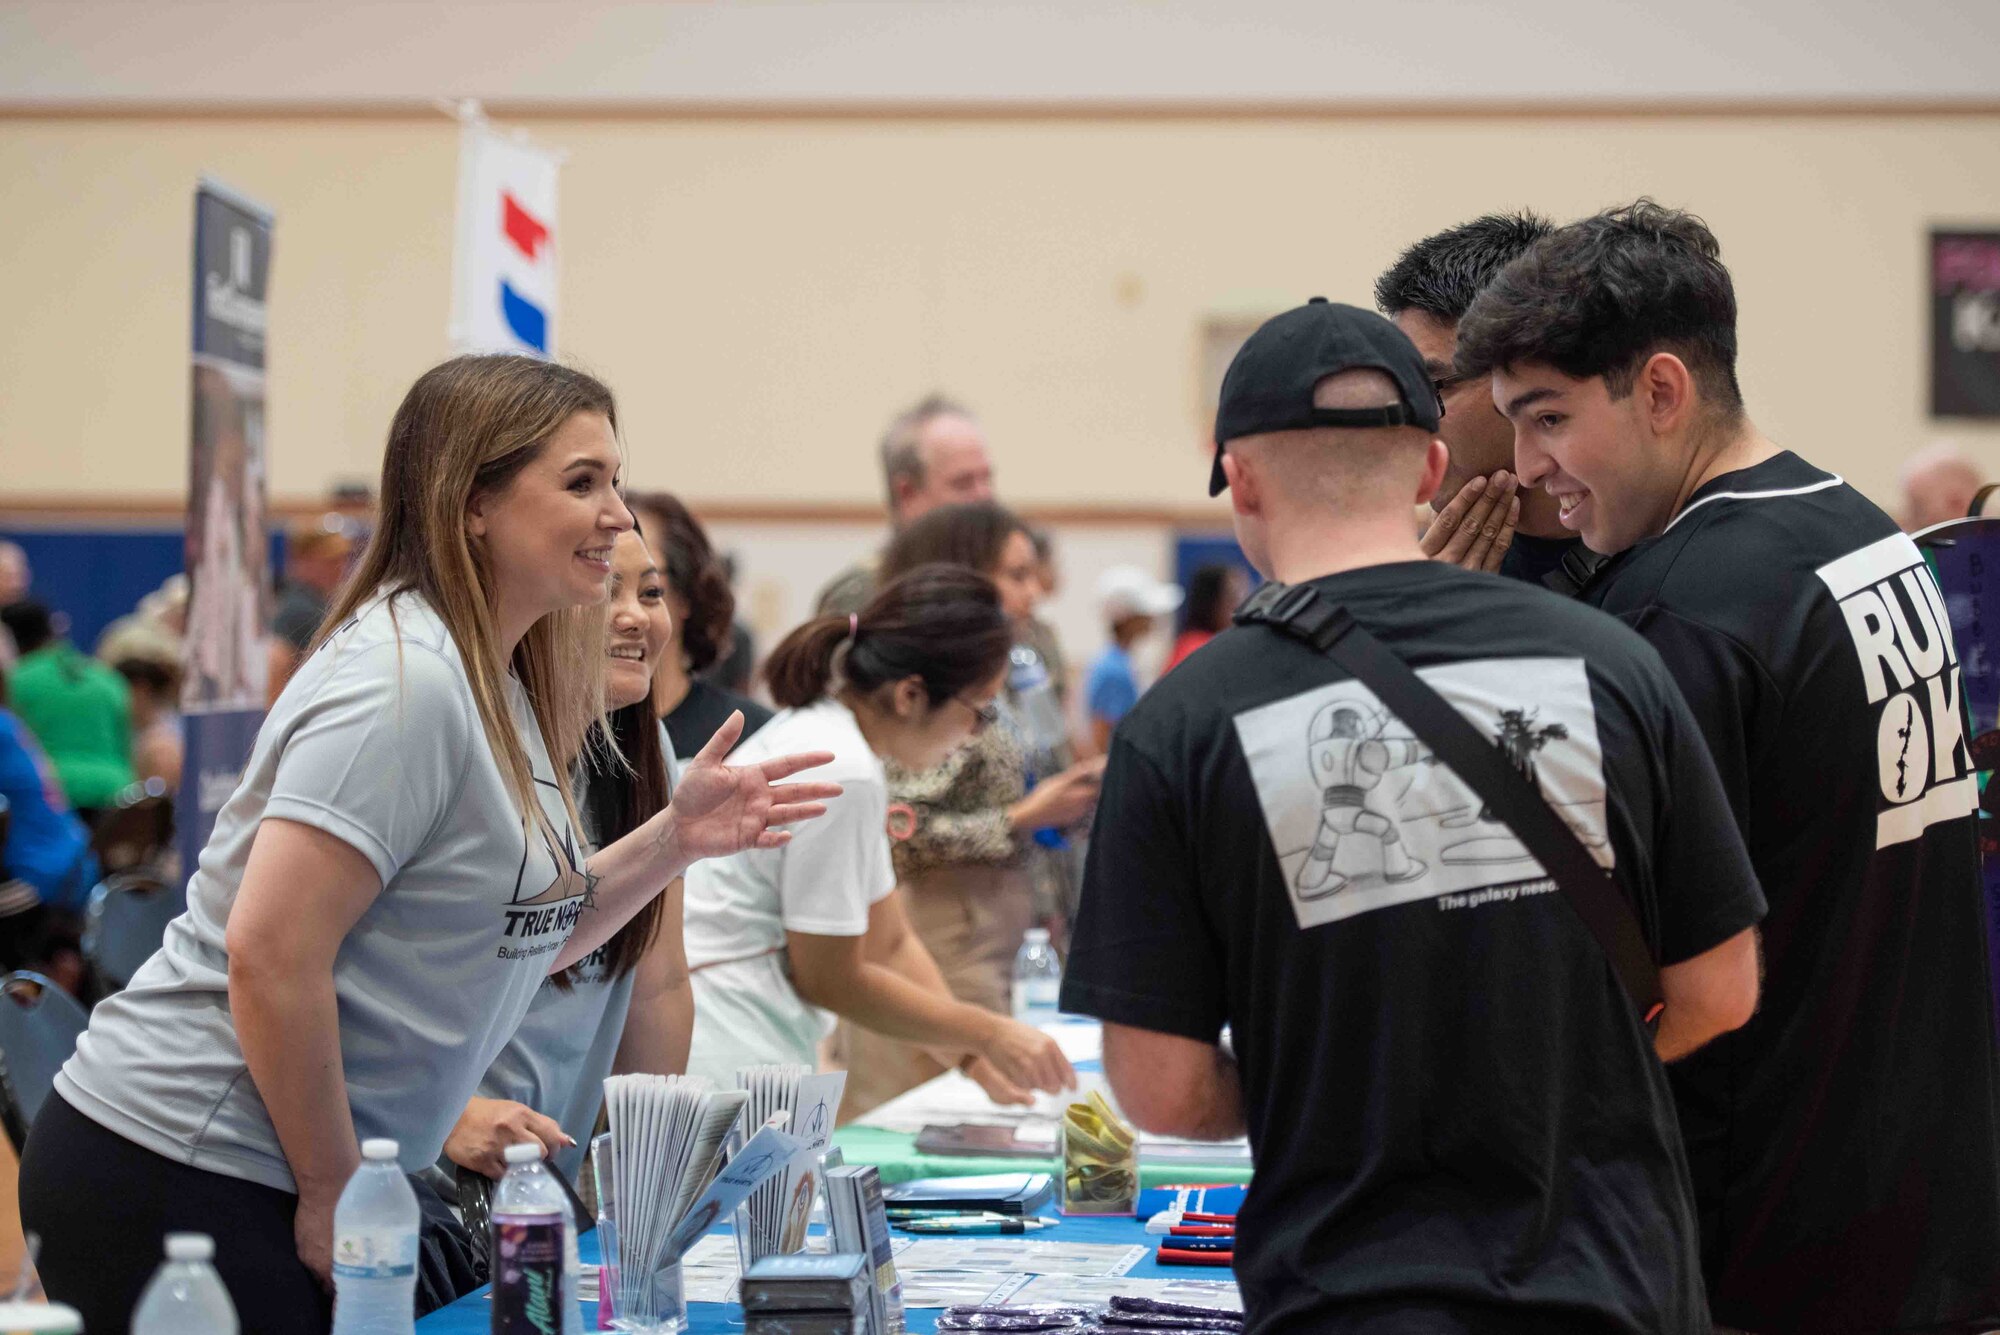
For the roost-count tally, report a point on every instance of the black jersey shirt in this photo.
(706, 708)
(1534, 559)
(1843, 1143)
(1458, 1120)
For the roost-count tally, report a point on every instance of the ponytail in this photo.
(940, 623)
(800, 670)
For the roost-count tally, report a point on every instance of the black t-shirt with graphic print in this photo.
(1843, 1143)
(1457, 1116)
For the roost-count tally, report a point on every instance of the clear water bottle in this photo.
(185, 1295)
(535, 1267)
(375, 1248)
(1037, 979)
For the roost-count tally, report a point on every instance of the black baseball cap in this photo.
(1269, 387)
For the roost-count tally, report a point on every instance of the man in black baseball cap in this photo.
(1460, 1119)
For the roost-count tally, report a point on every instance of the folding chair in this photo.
(39, 1024)
(125, 923)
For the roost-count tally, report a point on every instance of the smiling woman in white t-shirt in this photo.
(395, 874)
(777, 938)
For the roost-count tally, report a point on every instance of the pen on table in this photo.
(964, 1226)
(900, 1216)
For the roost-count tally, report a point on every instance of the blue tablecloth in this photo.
(470, 1315)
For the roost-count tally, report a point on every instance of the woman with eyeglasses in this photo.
(778, 938)
(970, 865)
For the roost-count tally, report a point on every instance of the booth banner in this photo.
(228, 547)
(504, 268)
(1965, 324)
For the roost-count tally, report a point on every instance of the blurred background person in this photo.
(47, 847)
(1131, 603)
(153, 677)
(1937, 483)
(1214, 592)
(78, 709)
(966, 855)
(703, 609)
(933, 454)
(317, 554)
(16, 579)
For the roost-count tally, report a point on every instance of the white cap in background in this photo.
(1127, 591)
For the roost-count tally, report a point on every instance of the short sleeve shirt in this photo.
(706, 708)
(1112, 688)
(375, 741)
(1844, 1141)
(1455, 1107)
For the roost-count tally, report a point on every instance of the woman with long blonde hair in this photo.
(395, 874)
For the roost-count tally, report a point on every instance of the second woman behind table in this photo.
(965, 867)
(625, 1007)
(777, 939)
(704, 616)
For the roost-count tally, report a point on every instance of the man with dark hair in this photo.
(1845, 1144)
(1426, 292)
(1460, 1119)
(933, 453)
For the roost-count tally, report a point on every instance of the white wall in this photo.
(600, 51)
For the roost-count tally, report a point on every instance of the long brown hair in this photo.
(694, 572)
(470, 426)
(941, 623)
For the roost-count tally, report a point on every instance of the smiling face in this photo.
(639, 626)
(919, 735)
(1616, 480)
(548, 535)
(1018, 577)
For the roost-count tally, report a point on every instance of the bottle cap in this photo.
(379, 1149)
(190, 1247)
(1038, 936)
(528, 1151)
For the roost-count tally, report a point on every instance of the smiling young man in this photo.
(1845, 1144)
(1426, 292)
(1460, 1121)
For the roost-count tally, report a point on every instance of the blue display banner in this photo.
(228, 558)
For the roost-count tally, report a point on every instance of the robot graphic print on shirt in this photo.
(1372, 818)
(1349, 755)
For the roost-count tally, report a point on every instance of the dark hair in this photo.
(971, 535)
(942, 623)
(30, 623)
(697, 575)
(617, 799)
(1208, 605)
(1600, 296)
(1442, 273)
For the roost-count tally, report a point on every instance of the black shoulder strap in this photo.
(1299, 611)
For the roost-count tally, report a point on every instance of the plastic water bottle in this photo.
(185, 1295)
(375, 1248)
(1037, 979)
(535, 1266)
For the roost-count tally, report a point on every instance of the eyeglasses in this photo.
(1441, 384)
(983, 716)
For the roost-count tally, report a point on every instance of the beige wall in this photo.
(763, 292)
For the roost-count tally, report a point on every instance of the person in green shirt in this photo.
(79, 709)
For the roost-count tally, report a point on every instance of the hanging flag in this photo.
(504, 272)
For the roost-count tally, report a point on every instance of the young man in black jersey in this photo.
(1460, 1119)
(1846, 1142)
(1426, 292)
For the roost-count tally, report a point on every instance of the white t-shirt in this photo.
(822, 882)
(376, 741)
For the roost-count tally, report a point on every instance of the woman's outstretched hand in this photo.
(719, 809)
